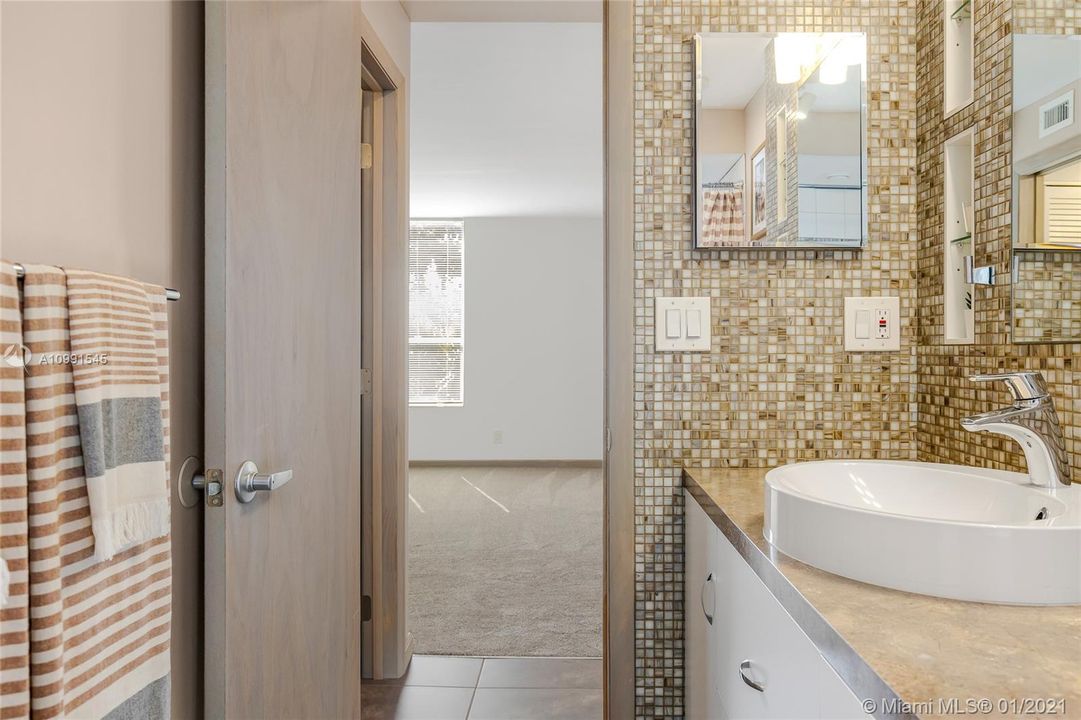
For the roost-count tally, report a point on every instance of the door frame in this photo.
(618, 460)
(619, 358)
(386, 644)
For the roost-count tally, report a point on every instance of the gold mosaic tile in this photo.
(945, 393)
(777, 385)
(1046, 303)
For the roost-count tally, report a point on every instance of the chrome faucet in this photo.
(1032, 422)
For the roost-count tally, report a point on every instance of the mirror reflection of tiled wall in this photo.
(1046, 203)
(1046, 303)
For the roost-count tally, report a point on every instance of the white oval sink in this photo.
(944, 530)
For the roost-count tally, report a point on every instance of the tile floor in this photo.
(470, 688)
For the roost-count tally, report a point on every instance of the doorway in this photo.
(505, 526)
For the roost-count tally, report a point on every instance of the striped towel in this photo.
(98, 632)
(5, 581)
(722, 219)
(118, 394)
(14, 548)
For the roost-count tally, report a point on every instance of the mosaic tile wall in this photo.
(1047, 296)
(780, 101)
(777, 385)
(945, 394)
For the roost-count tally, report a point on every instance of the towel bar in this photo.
(170, 294)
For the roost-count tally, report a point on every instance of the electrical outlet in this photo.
(882, 324)
(872, 324)
(497, 437)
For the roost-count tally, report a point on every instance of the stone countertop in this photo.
(923, 648)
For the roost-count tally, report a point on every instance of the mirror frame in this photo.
(696, 82)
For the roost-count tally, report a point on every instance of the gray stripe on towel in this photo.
(150, 703)
(120, 431)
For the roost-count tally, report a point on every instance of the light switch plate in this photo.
(682, 324)
(872, 324)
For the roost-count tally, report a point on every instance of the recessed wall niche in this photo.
(958, 237)
(959, 51)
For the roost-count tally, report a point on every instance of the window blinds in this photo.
(436, 312)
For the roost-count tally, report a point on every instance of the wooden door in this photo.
(283, 348)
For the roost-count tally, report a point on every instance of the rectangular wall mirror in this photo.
(779, 140)
(1046, 258)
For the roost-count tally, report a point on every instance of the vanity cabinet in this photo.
(700, 699)
(745, 657)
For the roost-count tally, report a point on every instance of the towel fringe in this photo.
(129, 525)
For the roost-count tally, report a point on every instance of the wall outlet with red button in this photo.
(872, 324)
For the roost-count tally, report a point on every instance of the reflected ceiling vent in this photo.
(1057, 114)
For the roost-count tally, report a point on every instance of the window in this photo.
(436, 310)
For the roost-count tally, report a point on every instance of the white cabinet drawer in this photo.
(699, 693)
(835, 700)
(749, 626)
(755, 629)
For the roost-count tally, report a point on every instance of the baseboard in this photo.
(507, 463)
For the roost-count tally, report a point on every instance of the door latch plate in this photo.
(214, 495)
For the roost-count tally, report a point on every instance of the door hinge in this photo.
(608, 439)
(365, 381)
(365, 608)
(365, 156)
(214, 487)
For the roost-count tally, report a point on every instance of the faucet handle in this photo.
(1028, 385)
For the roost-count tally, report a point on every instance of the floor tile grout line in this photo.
(476, 684)
(469, 709)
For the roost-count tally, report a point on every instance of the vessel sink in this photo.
(944, 530)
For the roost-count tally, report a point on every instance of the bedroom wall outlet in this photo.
(872, 324)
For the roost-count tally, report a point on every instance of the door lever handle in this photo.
(250, 481)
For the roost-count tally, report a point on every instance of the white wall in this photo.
(506, 119)
(103, 169)
(391, 24)
(506, 131)
(533, 346)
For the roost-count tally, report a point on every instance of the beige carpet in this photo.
(505, 561)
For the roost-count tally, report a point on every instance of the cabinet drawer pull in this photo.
(702, 598)
(743, 668)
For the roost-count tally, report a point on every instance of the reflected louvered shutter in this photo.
(436, 312)
(1062, 214)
